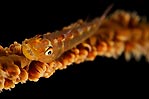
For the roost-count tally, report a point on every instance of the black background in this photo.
(104, 76)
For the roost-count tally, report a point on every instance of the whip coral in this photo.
(120, 33)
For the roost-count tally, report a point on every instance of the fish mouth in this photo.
(28, 52)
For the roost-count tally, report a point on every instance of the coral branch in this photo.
(122, 32)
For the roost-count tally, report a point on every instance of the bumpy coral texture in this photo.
(121, 33)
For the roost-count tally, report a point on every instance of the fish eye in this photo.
(49, 51)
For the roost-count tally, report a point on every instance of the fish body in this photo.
(50, 46)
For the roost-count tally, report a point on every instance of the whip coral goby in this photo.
(52, 45)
